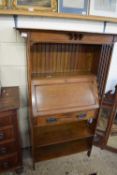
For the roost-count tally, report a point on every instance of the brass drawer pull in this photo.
(3, 150)
(2, 136)
(51, 120)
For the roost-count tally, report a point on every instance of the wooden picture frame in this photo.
(76, 7)
(3, 3)
(40, 5)
(106, 8)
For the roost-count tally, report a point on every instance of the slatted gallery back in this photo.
(52, 59)
(103, 66)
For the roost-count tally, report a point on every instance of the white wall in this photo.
(13, 56)
(13, 68)
(112, 77)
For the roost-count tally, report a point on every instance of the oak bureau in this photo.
(67, 74)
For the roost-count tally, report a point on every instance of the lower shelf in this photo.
(52, 151)
(51, 135)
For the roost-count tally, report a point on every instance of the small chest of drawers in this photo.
(10, 151)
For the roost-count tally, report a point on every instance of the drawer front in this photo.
(64, 118)
(7, 113)
(6, 121)
(6, 118)
(6, 134)
(8, 163)
(70, 37)
(94, 39)
(48, 152)
(85, 115)
(49, 36)
(8, 148)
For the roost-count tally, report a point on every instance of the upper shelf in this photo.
(58, 15)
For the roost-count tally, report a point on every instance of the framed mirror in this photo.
(40, 5)
(106, 133)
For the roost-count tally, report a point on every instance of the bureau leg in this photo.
(89, 153)
(19, 171)
(33, 166)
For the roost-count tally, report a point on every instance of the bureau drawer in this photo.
(64, 118)
(70, 37)
(6, 118)
(94, 38)
(8, 163)
(5, 121)
(8, 148)
(6, 134)
(50, 36)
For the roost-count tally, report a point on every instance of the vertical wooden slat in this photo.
(66, 58)
(100, 67)
(76, 58)
(103, 66)
(105, 59)
(63, 58)
(35, 56)
(106, 68)
(42, 58)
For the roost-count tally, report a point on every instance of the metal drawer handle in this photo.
(6, 165)
(3, 150)
(2, 135)
(51, 120)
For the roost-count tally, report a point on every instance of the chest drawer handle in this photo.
(51, 120)
(2, 136)
(6, 165)
(3, 150)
